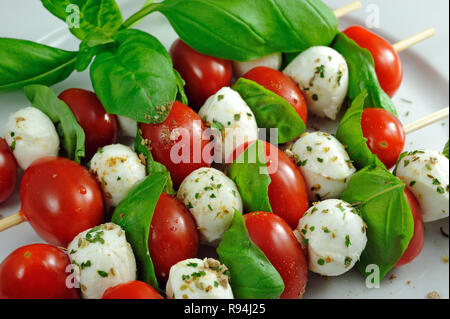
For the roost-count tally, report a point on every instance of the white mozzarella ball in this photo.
(426, 174)
(103, 258)
(322, 74)
(272, 61)
(31, 135)
(334, 236)
(127, 126)
(212, 198)
(118, 169)
(235, 117)
(324, 163)
(199, 279)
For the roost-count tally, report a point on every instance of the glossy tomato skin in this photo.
(173, 235)
(36, 271)
(282, 85)
(204, 75)
(385, 134)
(8, 171)
(99, 127)
(277, 241)
(60, 199)
(288, 195)
(388, 65)
(184, 122)
(132, 290)
(416, 244)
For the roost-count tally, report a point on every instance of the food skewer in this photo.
(353, 6)
(413, 40)
(428, 120)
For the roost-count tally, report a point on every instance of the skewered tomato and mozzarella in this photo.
(103, 258)
(31, 135)
(212, 198)
(199, 279)
(272, 61)
(8, 171)
(334, 235)
(228, 112)
(322, 75)
(426, 174)
(324, 163)
(118, 169)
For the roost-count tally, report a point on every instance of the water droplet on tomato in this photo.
(82, 190)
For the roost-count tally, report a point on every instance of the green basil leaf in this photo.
(446, 151)
(134, 214)
(137, 79)
(90, 47)
(390, 224)
(245, 30)
(181, 97)
(252, 274)
(24, 62)
(362, 74)
(251, 176)
(152, 166)
(271, 110)
(350, 134)
(71, 133)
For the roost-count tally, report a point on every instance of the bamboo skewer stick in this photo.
(428, 120)
(353, 6)
(413, 40)
(11, 221)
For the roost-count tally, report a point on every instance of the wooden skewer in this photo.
(428, 120)
(11, 221)
(409, 42)
(353, 6)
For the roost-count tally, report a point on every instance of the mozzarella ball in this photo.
(334, 235)
(118, 169)
(31, 135)
(212, 198)
(324, 163)
(103, 258)
(199, 279)
(128, 127)
(236, 119)
(426, 174)
(272, 61)
(322, 74)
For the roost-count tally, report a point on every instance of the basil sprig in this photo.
(380, 197)
(249, 172)
(71, 133)
(134, 214)
(252, 274)
(271, 110)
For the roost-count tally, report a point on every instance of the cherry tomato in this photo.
(60, 199)
(281, 85)
(388, 65)
(416, 244)
(132, 290)
(385, 135)
(173, 235)
(204, 75)
(100, 127)
(288, 195)
(187, 127)
(36, 271)
(8, 171)
(277, 241)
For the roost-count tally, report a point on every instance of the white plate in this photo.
(425, 84)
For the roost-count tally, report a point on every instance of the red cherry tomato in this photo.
(36, 271)
(204, 75)
(388, 65)
(100, 127)
(132, 290)
(8, 171)
(173, 235)
(60, 199)
(186, 124)
(416, 244)
(281, 85)
(385, 135)
(288, 195)
(277, 241)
